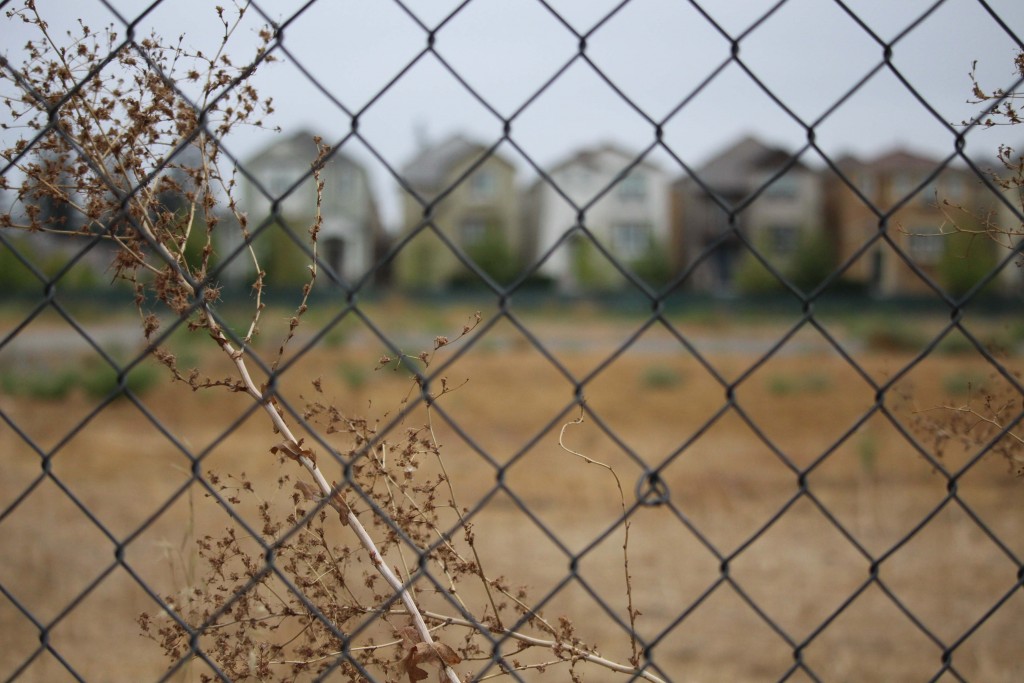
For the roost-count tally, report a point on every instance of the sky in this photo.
(645, 66)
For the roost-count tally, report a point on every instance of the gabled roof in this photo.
(588, 157)
(300, 146)
(729, 171)
(903, 159)
(900, 160)
(432, 165)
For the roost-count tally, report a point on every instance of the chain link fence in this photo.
(816, 492)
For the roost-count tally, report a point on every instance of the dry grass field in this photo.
(739, 448)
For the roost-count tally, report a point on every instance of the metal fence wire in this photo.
(889, 548)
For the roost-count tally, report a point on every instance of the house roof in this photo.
(299, 145)
(589, 157)
(900, 160)
(903, 159)
(730, 170)
(432, 165)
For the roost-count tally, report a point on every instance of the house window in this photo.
(633, 187)
(482, 185)
(579, 177)
(347, 187)
(783, 240)
(334, 253)
(472, 232)
(956, 188)
(631, 241)
(925, 246)
(784, 188)
(902, 185)
(278, 179)
(929, 195)
(868, 185)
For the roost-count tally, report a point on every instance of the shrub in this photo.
(655, 267)
(752, 277)
(814, 261)
(41, 384)
(99, 380)
(889, 334)
(965, 262)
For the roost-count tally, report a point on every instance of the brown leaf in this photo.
(447, 655)
(309, 492)
(339, 503)
(409, 635)
(415, 673)
(420, 652)
(294, 450)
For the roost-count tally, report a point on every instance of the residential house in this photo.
(621, 202)
(755, 193)
(282, 181)
(895, 216)
(467, 192)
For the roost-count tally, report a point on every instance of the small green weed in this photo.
(55, 384)
(963, 383)
(867, 452)
(660, 377)
(889, 335)
(787, 385)
(352, 374)
(40, 385)
(100, 381)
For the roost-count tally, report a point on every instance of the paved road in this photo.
(42, 340)
(38, 339)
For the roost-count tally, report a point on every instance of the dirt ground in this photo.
(797, 524)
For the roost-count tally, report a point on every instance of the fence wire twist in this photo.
(652, 486)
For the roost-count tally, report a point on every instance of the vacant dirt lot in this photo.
(798, 525)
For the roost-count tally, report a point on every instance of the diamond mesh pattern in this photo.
(762, 548)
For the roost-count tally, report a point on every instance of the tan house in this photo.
(464, 191)
(750, 193)
(278, 190)
(892, 226)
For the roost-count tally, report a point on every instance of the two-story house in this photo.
(902, 220)
(278, 190)
(460, 189)
(755, 193)
(622, 204)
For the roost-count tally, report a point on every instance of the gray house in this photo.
(282, 181)
(733, 198)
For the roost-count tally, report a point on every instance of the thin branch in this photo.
(554, 645)
(635, 657)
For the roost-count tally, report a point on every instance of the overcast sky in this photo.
(658, 53)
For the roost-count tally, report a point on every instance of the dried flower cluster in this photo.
(320, 604)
